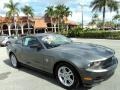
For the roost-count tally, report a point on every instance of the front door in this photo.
(32, 56)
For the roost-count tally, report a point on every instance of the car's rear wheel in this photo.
(67, 76)
(14, 61)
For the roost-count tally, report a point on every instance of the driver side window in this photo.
(28, 41)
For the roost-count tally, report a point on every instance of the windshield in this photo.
(51, 41)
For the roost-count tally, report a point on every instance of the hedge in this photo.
(99, 34)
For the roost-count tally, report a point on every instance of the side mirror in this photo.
(7, 43)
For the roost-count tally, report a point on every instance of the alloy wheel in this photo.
(66, 76)
(13, 61)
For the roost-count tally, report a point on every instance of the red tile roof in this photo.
(40, 24)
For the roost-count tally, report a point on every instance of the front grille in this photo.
(107, 63)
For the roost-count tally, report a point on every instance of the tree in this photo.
(95, 19)
(117, 18)
(67, 14)
(110, 24)
(12, 11)
(58, 13)
(50, 12)
(101, 5)
(28, 11)
(59, 9)
(61, 12)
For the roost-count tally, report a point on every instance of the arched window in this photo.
(28, 29)
(5, 29)
(15, 29)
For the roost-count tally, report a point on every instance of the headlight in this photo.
(94, 64)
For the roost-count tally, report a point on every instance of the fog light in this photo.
(87, 78)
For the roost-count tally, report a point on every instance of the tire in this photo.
(67, 76)
(14, 61)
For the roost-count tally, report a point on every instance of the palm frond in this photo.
(12, 8)
(27, 10)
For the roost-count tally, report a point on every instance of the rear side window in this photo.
(18, 41)
(28, 41)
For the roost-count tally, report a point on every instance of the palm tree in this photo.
(67, 14)
(101, 5)
(117, 18)
(61, 12)
(28, 11)
(95, 19)
(50, 12)
(57, 13)
(12, 11)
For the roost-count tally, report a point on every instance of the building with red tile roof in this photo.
(23, 25)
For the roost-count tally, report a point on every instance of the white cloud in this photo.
(4, 10)
(40, 5)
(109, 16)
(59, 1)
(77, 17)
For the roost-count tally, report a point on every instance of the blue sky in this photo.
(39, 7)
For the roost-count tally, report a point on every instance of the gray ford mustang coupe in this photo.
(71, 63)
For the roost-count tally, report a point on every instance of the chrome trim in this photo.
(103, 59)
(104, 70)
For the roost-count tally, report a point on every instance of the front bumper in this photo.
(97, 77)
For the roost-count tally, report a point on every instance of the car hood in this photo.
(85, 51)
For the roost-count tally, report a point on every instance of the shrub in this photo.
(92, 33)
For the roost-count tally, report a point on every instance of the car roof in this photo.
(42, 34)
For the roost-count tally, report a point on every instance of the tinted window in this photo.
(30, 41)
(18, 41)
(51, 41)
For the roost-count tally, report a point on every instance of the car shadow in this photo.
(41, 74)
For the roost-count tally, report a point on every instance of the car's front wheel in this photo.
(67, 76)
(14, 61)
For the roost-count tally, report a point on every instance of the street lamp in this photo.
(82, 13)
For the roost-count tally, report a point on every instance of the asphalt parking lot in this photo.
(27, 79)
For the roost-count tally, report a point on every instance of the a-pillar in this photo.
(9, 31)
